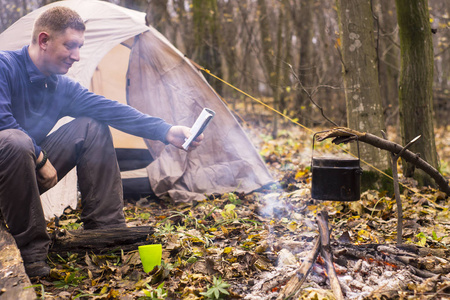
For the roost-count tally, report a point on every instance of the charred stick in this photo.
(325, 251)
(422, 273)
(294, 284)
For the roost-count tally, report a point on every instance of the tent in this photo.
(125, 60)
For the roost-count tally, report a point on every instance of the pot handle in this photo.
(357, 141)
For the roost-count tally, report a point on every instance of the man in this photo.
(34, 95)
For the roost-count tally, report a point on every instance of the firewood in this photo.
(13, 279)
(294, 284)
(418, 260)
(326, 252)
(101, 240)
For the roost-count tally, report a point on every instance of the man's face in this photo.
(62, 51)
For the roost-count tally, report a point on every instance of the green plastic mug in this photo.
(150, 256)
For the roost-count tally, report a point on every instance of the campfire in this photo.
(330, 268)
(336, 268)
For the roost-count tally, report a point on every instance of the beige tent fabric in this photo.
(163, 83)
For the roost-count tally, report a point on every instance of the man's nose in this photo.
(75, 54)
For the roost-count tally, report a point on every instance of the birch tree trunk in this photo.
(416, 83)
(360, 68)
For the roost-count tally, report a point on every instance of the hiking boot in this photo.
(37, 269)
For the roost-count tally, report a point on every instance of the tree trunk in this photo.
(389, 59)
(362, 91)
(270, 49)
(416, 83)
(206, 35)
(157, 15)
(13, 279)
(306, 66)
(286, 56)
(182, 36)
(228, 40)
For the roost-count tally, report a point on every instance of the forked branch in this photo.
(344, 135)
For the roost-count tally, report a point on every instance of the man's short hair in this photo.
(57, 20)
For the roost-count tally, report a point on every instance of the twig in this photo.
(310, 97)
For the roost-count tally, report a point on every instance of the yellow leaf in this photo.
(312, 207)
(292, 226)
(104, 289)
(300, 174)
(227, 250)
(224, 230)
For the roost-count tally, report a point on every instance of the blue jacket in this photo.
(33, 103)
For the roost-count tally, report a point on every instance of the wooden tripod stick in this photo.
(395, 158)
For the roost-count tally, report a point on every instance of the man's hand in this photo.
(47, 176)
(178, 134)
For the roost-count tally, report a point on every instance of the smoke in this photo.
(272, 205)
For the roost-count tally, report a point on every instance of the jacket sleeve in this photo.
(7, 120)
(122, 117)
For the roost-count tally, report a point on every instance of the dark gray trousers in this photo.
(83, 143)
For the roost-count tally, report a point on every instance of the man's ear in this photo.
(43, 39)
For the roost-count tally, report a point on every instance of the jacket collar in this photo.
(36, 76)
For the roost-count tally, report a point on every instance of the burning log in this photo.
(344, 135)
(417, 260)
(326, 252)
(294, 284)
(413, 264)
(323, 246)
(101, 240)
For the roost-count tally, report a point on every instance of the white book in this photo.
(199, 126)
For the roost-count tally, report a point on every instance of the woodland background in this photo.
(287, 50)
(228, 38)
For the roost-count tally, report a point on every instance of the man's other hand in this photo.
(178, 134)
(47, 176)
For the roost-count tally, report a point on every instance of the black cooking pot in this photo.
(337, 179)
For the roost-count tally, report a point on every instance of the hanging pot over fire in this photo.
(335, 178)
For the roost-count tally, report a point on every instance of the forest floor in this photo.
(247, 246)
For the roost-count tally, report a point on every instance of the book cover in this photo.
(199, 126)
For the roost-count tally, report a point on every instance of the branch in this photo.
(344, 135)
(310, 97)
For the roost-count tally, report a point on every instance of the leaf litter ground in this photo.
(247, 246)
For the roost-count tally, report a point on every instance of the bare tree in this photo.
(206, 37)
(158, 16)
(360, 71)
(388, 48)
(304, 24)
(416, 83)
